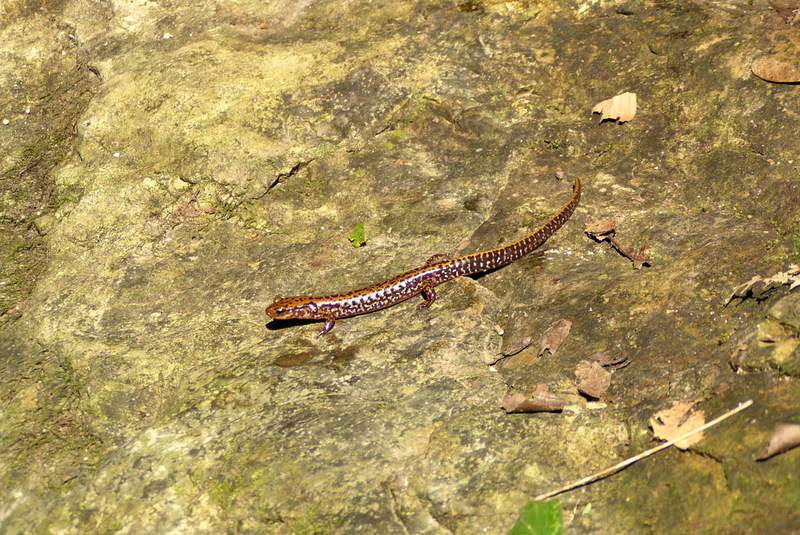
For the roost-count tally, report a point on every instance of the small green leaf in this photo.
(357, 237)
(540, 518)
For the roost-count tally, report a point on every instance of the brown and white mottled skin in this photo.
(422, 280)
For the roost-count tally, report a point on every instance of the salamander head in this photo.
(287, 308)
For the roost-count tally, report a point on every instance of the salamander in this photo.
(422, 280)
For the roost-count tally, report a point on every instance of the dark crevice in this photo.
(283, 177)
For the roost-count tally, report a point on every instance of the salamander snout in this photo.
(286, 308)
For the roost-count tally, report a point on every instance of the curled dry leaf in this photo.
(592, 379)
(606, 229)
(785, 437)
(515, 343)
(599, 229)
(621, 107)
(639, 257)
(773, 69)
(677, 420)
(760, 287)
(554, 336)
(608, 361)
(540, 401)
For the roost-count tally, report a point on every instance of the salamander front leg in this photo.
(329, 321)
(429, 294)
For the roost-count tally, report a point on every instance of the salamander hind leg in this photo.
(329, 322)
(429, 294)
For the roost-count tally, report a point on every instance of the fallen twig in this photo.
(627, 462)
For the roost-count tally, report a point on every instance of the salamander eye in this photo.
(280, 310)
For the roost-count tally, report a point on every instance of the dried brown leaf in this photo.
(539, 401)
(760, 287)
(775, 69)
(515, 344)
(788, 9)
(785, 437)
(640, 257)
(554, 336)
(592, 379)
(599, 229)
(621, 107)
(677, 420)
(606, 229)
(608, 361)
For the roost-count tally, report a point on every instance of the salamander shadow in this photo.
(278, 325)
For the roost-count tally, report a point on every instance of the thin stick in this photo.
(627, 462)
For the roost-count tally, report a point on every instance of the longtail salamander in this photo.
(422, 280)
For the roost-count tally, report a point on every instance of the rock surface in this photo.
(168, 168)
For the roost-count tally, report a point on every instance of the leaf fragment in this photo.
(540, 518)
(600, 228)
(515, 344)
(606, 229)
(592, 379)
(677, 420)
(759, 288)
(775, 69)
(785, 437)
(554, 336)
(357, 237)
(621, 108)
(540, 401)
(606, 360)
